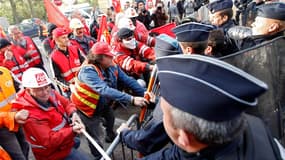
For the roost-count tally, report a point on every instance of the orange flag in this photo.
(55, 16)
(103, 33)
(117, 5)
(166, 29)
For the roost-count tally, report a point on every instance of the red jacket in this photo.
(68, 66)
(18, 64)
(140, 28)
(46, 129)
(131, 60)
(32, 52)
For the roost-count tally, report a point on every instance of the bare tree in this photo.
(31, 8)
(14, 11)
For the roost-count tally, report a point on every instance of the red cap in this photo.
(102, 48)
(59, 32)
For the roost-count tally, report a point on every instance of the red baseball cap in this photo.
(60, 32)
(102, 48)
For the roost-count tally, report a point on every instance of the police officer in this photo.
(193, 37)
(269, 24)
(206, 120)
(221, 14)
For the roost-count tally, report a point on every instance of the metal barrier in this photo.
(133, 119)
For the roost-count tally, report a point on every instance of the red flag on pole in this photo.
(103, 33)
(166, 29)
(55, 16)
(117, 5)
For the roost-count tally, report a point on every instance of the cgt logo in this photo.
(41, 79)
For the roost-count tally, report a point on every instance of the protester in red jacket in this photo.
(49, 129)
(65, 59)
(32, 55)
(139, 36)
(131, 55)
(11, 58)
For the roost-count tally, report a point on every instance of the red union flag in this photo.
(166, 29)
(103, 33)
(54, 15)
(117, 5)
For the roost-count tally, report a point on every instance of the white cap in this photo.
(35, 78)
(131, 12)
(75, 23)
(126, 23)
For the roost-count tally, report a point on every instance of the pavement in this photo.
(121, 114)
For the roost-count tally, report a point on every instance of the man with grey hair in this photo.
(204, 115)
(32, 53)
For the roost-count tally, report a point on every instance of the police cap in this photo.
(192, 32)
(206, 87)
(220, 5)
(272, 10)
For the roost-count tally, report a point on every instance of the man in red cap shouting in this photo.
(96, 89)
(65, 59)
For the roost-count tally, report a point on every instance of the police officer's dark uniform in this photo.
(216, 101)
(219, 6)
(272, 11)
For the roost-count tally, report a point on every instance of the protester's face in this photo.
(5, 49)
(167, 120)
(264, 26)
(62, 40)
(127, 5)
(140, 6)
(42, 94)
(16, 34)
(150, 4)
(107, 61)
(216, 19)
(79, 32)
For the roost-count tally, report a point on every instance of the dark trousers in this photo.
(14, 144)
(93, 126)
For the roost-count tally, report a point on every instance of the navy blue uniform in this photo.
(255, 144)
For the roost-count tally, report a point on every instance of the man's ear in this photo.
(225, 18)
(184, 138)
(274, 27)
(209, 50)
(189, 50)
